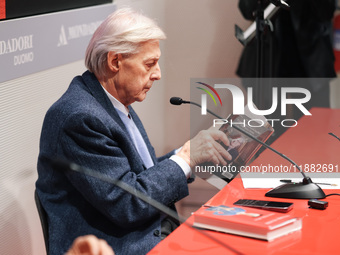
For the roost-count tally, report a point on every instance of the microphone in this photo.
(306, 189)
(65, 165)
(178, 101)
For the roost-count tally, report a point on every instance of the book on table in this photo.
(249, 222)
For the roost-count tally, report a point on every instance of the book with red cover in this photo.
(250, 222)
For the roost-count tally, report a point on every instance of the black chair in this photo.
(43, 219)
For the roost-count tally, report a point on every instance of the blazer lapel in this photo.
(97, 91)
(99, 94)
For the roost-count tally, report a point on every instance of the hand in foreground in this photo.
(90, 245)
(205, 147)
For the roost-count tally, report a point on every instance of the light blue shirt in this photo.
(135, 135)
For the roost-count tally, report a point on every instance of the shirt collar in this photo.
(116, 104)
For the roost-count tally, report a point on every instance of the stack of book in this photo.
(250, 222)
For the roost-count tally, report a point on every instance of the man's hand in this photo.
(205, 147)
(90, 245)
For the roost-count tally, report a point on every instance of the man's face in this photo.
(137, 73)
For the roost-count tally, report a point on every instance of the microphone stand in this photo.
(304, 190)
(65, 165)
(262, 26)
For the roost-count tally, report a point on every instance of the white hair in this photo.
(121, 32)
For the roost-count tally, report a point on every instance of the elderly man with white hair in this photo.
(94, 126)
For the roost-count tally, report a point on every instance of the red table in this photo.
(320, 232)
(309, 142)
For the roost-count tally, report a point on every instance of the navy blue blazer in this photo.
(84, 127)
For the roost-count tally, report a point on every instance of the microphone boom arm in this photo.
(305, 189)
(254, 138)
(66, 165)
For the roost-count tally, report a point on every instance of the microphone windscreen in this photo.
(176, 100)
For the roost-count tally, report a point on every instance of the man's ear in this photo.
(113, 61)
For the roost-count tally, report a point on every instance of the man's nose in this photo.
(156, 73)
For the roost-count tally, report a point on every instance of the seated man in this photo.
(94, 125)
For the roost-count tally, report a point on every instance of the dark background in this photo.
(24, 8)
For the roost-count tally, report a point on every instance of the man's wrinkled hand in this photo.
(206, 147)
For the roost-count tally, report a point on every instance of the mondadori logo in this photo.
(75, 32)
